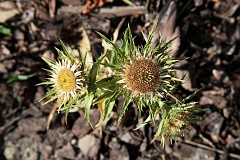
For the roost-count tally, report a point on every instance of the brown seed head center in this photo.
(66, 80)
(142, 76)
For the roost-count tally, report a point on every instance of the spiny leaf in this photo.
(107, 82)
(68, 107)
(45, 83)
(172, 61)
(150, 37)
(66, 52)
(148, 120)
(49, 93)
(176, 79)
(144, 36)
(51, 99)
(162, 49)
(127, 101)
(115, 96)
(48, 61)
(103, 97)
(120, 53)
(161, 128)
(129, 47)
(93, 73)
(87, 105)
(107, 111)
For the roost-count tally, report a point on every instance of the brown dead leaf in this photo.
(52, 7)
(7, 5)
(8, 14)
(90, 4)
(85, 48)
(50, 117)
(166, 27)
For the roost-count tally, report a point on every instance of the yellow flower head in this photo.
(66, 79)
(72, 83)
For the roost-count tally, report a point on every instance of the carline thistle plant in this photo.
(72, 83)
(66, 80)
(141, 74)
(144, 76)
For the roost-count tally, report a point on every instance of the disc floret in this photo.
(66, 80)
(141, 76)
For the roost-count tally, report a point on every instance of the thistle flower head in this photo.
(142, 74)
(175, 119)
(66, 80)
(141, 77)
(72, 82)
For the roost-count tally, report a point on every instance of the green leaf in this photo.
(127, 101)
(148, 120)
(11, 79)
(93, 74)
(5, 30)
(48, 61)
(144, 36)
(192, 95)
(87, 105)
(67, 54)
(176, 79)
(125, 47)
(51, 99)
(107, 82)
(129, 2)
(162, 49)
(116, 48)
(20, 77)
(49, 93)
(162, 128)
(107, 110)
(116, 95)
(140, 105)
(45, 83)
(103, 97)
(131, 41)
(25, 77)
(172, 61)
(149, 38)
(68, 107)
(128, 45)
